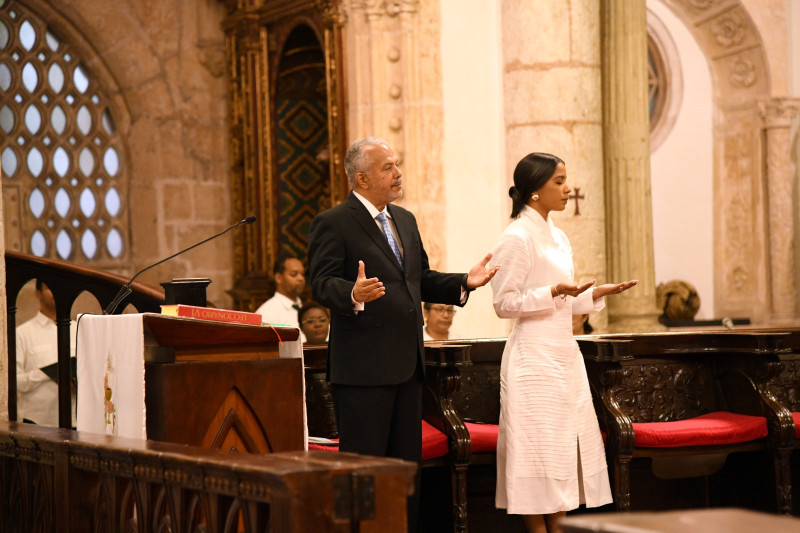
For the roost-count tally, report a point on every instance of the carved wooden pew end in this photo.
(61, 480)
(671, 398)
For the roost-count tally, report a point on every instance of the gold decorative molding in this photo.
(255, 37)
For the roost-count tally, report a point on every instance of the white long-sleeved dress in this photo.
(550, 454)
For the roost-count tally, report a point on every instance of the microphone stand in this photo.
(126, 290)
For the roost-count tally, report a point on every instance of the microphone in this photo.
(125, 290)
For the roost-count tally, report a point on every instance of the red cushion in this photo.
(796, 418)
(333, 447)
(483, 437)
(434, 442)
(720, 427)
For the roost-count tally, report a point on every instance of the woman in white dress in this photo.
(550, 455)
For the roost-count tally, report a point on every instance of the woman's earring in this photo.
(535, 197)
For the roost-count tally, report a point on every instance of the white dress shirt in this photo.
(373, 212)
(279, 310)
(37, 347)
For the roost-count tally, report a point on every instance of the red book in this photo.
(211, 313)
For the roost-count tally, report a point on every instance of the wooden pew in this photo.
(643, 379)
(61, 480)
(464, 390)
(443, 362)
(66, 281)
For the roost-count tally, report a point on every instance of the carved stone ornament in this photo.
(743, 72)
(779, 112)
(728, 30)
(392, 8)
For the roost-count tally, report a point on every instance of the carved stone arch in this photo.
(733, 47)
(751, 165)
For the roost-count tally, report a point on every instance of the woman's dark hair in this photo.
(587, 328)
(308, 307)
(531, 174)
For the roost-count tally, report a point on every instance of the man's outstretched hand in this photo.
(479, 275)
(367, 289)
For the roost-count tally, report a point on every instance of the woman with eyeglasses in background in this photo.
(315, 321)
(438, 319)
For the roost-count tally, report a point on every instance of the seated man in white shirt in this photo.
(290, 279)
(37, 347)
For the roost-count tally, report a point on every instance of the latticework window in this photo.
(60, 150)
(656, 82)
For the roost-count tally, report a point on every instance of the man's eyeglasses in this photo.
(319, 320)
(444, 309)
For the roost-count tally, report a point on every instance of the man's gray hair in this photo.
(355, 159)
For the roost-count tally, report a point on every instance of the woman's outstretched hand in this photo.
(608, 289)
(569, 288)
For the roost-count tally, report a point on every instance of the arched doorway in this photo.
(302, 136)
(288, 135)
(751, 154)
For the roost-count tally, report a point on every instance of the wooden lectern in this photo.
(222, 385)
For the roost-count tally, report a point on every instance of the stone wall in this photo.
(167, 59)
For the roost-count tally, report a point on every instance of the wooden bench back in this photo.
(61, 480)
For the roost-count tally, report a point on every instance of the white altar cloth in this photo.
(111, 391)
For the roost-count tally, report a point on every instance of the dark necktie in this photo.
(387, 232)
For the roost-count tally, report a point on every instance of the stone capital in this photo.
(333, 13)
(392, 8)
(778, 112)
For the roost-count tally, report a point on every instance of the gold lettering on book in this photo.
(217, 315)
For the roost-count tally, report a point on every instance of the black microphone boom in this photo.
(125, 290)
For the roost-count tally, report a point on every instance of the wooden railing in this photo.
(66, 281)
(60, 480)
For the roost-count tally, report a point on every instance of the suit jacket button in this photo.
(410, 310)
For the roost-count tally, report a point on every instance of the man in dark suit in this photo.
(375, 354)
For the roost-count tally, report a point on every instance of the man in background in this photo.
(290, 279)
(37, 347)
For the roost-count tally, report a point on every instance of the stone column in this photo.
(626, 165)
(777, 114)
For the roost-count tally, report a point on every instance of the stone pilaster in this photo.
(626, 164)
(395, 92)
(777, 114)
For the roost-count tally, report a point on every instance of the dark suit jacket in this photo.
(382, 344)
